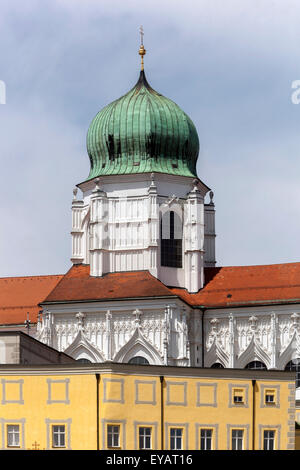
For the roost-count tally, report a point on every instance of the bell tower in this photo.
(142, 205)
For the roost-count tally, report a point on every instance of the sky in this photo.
(229, 64)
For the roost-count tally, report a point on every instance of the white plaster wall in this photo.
(111, 330)
(270, 334)
(117, 229)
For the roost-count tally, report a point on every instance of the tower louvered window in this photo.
(171, 240)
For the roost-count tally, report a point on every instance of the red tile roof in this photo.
(247, 285)
(19, 295)
(225, 287)
(78, 285)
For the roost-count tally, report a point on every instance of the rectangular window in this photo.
(238, 399)
(13, 435)
(238, 396)
(237, 438)
(206, 439)
(113, 436)
(270, 397)
(176, 435)
(269, 440)
(171, 240)
(144, 438)
(59, 435)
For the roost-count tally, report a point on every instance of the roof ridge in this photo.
(253, 265)
(31, 276)
(232, 289)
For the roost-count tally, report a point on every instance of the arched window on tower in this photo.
(294, 366)
(171, 240)
(256, 365)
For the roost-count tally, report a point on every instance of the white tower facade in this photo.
(121, 224)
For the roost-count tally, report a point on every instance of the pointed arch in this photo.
(216, 354)
(81, 348)
(138, 346)
(290, 351)
(254, 352)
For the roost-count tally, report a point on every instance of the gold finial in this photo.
(142, 50)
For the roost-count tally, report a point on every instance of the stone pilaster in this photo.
(98, 231)
(153, 228)
(194, 240)
(77, 231)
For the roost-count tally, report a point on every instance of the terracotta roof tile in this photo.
(19, 295)
(225, 287)
(78, 285)
(247, 285)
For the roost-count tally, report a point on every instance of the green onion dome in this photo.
(142, 132)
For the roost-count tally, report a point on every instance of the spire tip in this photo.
(142, 50)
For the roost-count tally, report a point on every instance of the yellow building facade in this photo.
(123, 406)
